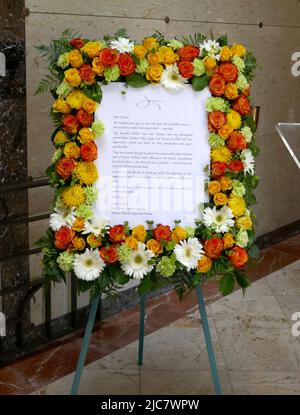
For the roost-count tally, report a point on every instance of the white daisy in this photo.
(248, 161)
(188, 252)
(171, 78)
(61, 217)
(95, 226)
(219, 220)
(137, 265)
(122, 44)
(212, 47)
(89, 265)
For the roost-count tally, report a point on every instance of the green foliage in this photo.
(93, 91)
(223, 40)
(249, 121)
(200, 82)
(226, 284)
(119, 33)
(136, 80)
(194, 39)
(48, 83)
(250, 65)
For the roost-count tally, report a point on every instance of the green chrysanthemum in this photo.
(98, 127)
(242, 82)
(166, 266)
(247, 133)
(124, 253)
(112, 74)
(217, 104)
(215, 140)
(239, 63)
(175, 44)
(142, 66)
(190, 232)
(199, 68)
(65, 261)
(84, 211)
(63, 89)
(56, 155)
(91, 194)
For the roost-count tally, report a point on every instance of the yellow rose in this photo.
(131, 242)
(60, 105)
(222, 154)
(89, 105)
(78, 225)
(234, 119)
(97, 66)
(238, 50)
(139, 233)
(220, 199)
(237, 205)
(178, 234)
(225, 131)
(75, 99)
(209, 63)
(154, 246)
(75, 58)
(60, 138)
(85, 135)
(228, 240)
(244, 223)
(214, 187)
(167, 55)
(154, 72)
(140, 51)
(204, 264)
(78, 244)
(92, 49)
(94, 241)
(72, 77)
(231, 91)
(154, 58)
(71, 149)
(225, 54)
(150, 43)
(226, 183)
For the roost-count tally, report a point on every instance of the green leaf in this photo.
(117, 274)
(226, 284)
(253, 252)
(223, 40)
(104, 279)
(146, 285)
(249, 121)
(93, 91)
(242, 281)
(136, 80)
(200, 82)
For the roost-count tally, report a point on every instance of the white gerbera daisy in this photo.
(61, 217)
(89, 265)
(137, 265)
(95, 226)
(188, 252)
(122, 44)
(248, 161)
(219, 220)
(171, 78)
(212, 47)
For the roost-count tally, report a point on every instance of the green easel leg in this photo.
(208, 341)
(85, 345)
(142, 331)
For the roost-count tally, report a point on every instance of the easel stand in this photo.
(90, 325)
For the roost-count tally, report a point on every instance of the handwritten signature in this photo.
(147, 102)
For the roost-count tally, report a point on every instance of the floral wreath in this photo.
(103, 257)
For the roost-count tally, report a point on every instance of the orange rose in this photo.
(78, 244)
(65, 167)
(226, 183)
(236, 141)
(109, 254)
(236, 166)
(89, 105)
(213, 187)
(154, 246)
(228, 240)
(97, 66)
(132, 242)
(77, 43)
(84, 118)
(231, 91)
(213, 247)
(238, 257)
(225, 131)
(204, 264)
(116, 234)
(162, 233)
(78, 225)
(242, 105)
(89, 151)
(216, 120)
(218, 169)
(94, 241)
(220, 199)
(140, 51)
(229, 71)
(186, 69)
(63, 237)
(126, 64)
(71, 124)
(75, 58)
(108, 57)
(154, 58)
(188, 52)
(217, 85)
(87, 74)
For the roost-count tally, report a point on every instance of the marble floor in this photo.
(255, 349)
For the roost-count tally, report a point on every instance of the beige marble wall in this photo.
(274, 88)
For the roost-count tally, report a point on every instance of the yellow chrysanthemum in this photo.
(86, 172)
(234, 119)
(244, 223)
(73, 196)
(75, 99)
(238, 50)
(237, 205)
(222, 154)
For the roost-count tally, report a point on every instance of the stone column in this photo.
(14, 270)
